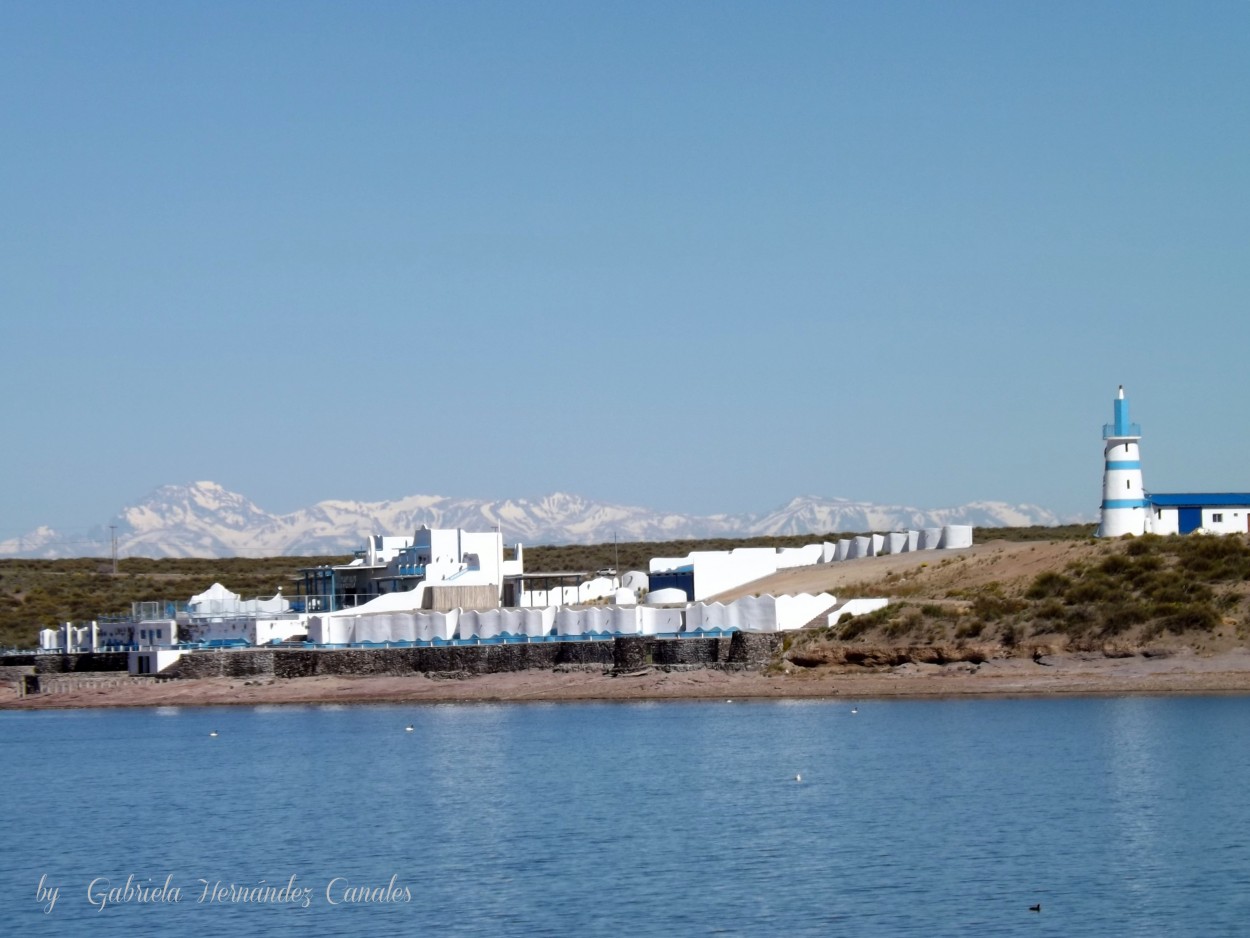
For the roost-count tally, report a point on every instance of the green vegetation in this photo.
(36, 594)
(1155, 584)
(1062, 532)
(1117, 594)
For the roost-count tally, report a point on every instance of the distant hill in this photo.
(203, 519)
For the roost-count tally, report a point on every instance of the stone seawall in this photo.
(72, 664)
(739, 652)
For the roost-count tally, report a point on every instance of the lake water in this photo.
(1121, 816)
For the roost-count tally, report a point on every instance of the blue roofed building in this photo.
(1130, 508)
(1186, 512)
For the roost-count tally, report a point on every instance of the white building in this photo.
(431, 557)
(1129, 508)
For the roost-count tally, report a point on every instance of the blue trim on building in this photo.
(1124, 503)
(1200, 500)
(1123, 463)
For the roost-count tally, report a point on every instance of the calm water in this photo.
(1120, 816)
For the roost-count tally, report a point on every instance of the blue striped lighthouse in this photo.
(1123, 497)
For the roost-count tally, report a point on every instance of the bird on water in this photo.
(408, 728)
(213, 733)
(1035, 908)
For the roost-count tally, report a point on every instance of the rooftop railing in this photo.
(1109, 431)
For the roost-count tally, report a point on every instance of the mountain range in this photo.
(203, 519)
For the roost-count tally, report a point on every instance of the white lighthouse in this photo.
(1124, 508)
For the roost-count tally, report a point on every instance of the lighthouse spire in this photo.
(1124, 506)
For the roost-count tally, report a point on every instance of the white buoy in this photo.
(798, 778)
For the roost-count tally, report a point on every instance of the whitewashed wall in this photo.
(895, 543)
(758, 613)
(805, 556)
(956, 536)
(667, 596)
(1232, 520)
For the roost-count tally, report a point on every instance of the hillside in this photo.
(1031, 610)
(36, 594)
(1148, 595)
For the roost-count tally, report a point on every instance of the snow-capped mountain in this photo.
(811, 514)
(204, 519)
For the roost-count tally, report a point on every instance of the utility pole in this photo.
(113, 537)
(616, 550)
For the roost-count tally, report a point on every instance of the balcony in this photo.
(1129, 430)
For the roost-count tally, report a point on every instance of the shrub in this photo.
(906, 624)
(994, 606)
(1093, 589)
(971, 629)
(1116, 565)
(852, 627)
(1143, 546)
(1048, 584)
(1116, 619)
(1169, 586)
(1052, 609)
(1193, 617)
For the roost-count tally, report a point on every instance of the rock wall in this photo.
(739, 652)
(82, 661)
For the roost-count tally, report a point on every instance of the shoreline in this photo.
(1070, 674)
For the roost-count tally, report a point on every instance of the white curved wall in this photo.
(666, 596)
(636, 580)
(956, 535)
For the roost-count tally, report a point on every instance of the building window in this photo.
(1126, 484)
(1217, 518)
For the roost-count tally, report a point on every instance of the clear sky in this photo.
(692, 256)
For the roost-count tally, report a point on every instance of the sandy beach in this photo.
(1182, 672)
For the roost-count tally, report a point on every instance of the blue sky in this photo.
(699, 257)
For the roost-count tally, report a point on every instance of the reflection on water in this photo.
(1120, 816)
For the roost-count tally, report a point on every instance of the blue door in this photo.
(1191, 519)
